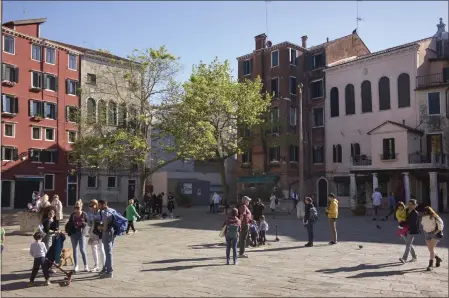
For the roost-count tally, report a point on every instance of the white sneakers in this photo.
(76, 269)
(95, 269)
(86, 268)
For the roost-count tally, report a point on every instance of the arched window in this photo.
(355, 150)
(112, 113)
(403, 90)
(384, 94)
(102, 115)
(91, 110)
(122, 115)
(335, 109)
(349, 99)
(367, 103)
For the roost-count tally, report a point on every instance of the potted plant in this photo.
(360, 208)
(36, 117)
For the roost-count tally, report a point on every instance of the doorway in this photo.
(322, 192)
(434, 144)
(6, 194)
(23, 191)
(72, 190)
(131, 189)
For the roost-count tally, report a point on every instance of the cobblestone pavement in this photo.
(185, 257)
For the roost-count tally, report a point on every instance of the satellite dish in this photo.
(269, 43)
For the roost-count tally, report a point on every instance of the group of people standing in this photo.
(153, 204)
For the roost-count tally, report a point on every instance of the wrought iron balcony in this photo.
(435, 158)
(431, 80)
(361, 161)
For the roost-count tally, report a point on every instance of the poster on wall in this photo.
(198, 192)
(187, 188)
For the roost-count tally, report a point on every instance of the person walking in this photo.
(171, 204)
(377, 201)
(310, 217)
(49, 231)
(273, 203)
(38, 251)
(131, 216)
(94, 238)
(295, 200)
(107, 236)
(332, 214)
(432, 225)
(413, 230)
(56, 203)
(233, 225)
(245, 218)
(391, 206)
(77, 227)
(216, 201)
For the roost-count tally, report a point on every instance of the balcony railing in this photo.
(431, 80)
(361, 161)
(436, 158)
(388, 156)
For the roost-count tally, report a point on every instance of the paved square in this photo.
(185, 257)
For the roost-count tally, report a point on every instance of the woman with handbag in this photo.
(433, 232)
(76, 229)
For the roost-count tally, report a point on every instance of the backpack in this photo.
(119, 223)
(232, 231)
(313, 214)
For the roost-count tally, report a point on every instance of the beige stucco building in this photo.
(377, 128)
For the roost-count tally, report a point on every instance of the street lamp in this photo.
(301, 145)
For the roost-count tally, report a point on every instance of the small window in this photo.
(10, 73)
(10, 104)
(274, 119)
(367, 102)
(10, 130)
(50, 55)
(317, 89)
(91, 79)
(71, 113)
(334, 102)
(318, 154)
(403, 90)
(275, 154)
(433, 100)
(49, 134)
(275, 87)
(71, 136)
(36, 108)
(49, 182)
(91, 181)
(91, 110)
(112, 182)
(247, 157)
(247, 67)
(72, 87)
(72, 62)
(36, 52)
(293, 54)
(294, 153)
(355, 150)
(319, 61)
(112, 113)
(50, 110)
(49, 156)
(36, 79)
(318, 117)
(292, 118)
(50, 82)
(9, 44)
(275, 58)
(35, 155)
(389, 152)
(337, 155)
(36, 133)
(293, 86)
(9, 153)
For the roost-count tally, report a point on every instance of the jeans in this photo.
(108, 244)
(216, 208)
(262, 237)
(38, 263)
(409, 246)
(243, 238)
(376, 210)
(231, 242)
(79, 238)
(309, 227)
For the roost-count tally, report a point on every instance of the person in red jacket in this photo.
(245, 218)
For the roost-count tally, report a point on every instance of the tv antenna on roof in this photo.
(266, 16)
(358, 17)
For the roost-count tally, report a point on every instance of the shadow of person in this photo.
(168, 261)
(385, 273)
(358, 268)
(179, 268)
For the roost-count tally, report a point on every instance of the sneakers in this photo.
(95, 269)
(430, 267)
(332, 242)
(86, 268)
(308, 244)
(75, 269)
(413, 260)
(106, 275)
(47, 283)
(135, 231)
(402, 260)
(52, 270)
(31, 284)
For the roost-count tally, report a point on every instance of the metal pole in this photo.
(301, 192)
(1, 87)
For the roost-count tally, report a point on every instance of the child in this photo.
(263, 230)
(254, 231)
(38, 252)
(401, 216)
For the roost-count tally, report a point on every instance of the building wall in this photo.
(22, 120)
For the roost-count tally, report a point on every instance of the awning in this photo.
(258, 179)
(28, 177)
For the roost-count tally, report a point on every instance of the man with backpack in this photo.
(310, 217)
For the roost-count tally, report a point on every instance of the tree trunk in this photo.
(222, 169)
(142, 179)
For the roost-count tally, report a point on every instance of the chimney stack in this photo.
(304, 41)
(261, 40)
(327, 39)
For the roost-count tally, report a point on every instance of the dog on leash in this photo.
(66, 255)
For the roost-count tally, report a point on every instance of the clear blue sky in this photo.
(199, 30)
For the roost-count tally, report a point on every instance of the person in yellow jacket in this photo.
(332, 214)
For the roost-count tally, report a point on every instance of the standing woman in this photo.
(95, 237)
(77, 224)
(433, 231)
(44, 203)
(50, 228)
(56, 203)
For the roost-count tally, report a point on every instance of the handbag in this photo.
(440, 234)
(222, 231)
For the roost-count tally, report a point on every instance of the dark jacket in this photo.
(307, 212)
(258, 211)
(413, 222)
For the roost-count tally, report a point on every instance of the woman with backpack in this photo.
(433, 232)
(233, 225)
(310, 217)
(75, 228)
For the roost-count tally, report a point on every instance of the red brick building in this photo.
(39, 97)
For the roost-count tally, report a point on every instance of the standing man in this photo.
(377, 201)
(295, 200)
(245, 218)
(108, 235)
(216, 201)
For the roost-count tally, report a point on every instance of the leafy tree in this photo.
(214, 105)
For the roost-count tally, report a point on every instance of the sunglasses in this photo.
(91, 206)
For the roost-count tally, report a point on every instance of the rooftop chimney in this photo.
(260, 41)
(304, 41)
(327, 39)
(441, 28)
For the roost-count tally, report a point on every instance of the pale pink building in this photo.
(376, 133)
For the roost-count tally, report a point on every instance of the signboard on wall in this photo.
(187, 188)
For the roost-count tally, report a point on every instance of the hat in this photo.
(413, 202)
(245, 198)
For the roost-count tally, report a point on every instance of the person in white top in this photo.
(38, 250)
(216, 201)
(433, 226)
(377, 201)
(58, 207)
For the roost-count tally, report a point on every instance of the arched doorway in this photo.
(322, 192)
